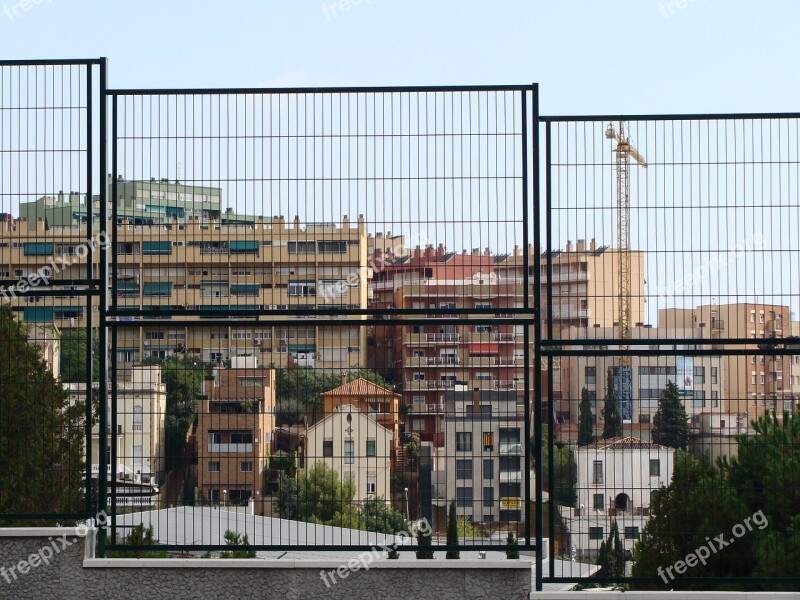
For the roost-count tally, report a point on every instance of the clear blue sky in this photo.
(589, 56)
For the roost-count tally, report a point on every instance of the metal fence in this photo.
(320, 313)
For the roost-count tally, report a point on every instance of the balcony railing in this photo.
(510, 448)
(429, 384)
(506, 476)
(427, 408)
(221, 448)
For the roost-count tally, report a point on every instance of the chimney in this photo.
(569, 245)
(487, 252)
(440, 251)
(417, 252)
(296, 223)
(476, 252)
(429, 252)
(592, 246)
(581, 246)
(345, 222)
(530, 249)
(517, 251)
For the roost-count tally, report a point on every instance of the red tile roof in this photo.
(361, 387)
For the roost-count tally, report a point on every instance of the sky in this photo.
(588, 56)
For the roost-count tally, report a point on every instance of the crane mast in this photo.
(623, 152)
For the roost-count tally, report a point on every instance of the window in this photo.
(761, 379)
(599, 502)
(371, 448)
(464, 469)
(213, 466)
(714, 398)
(713, 375)
(510, 516)
(241, 437)
(327, 448)
(301, 247)
(483, 305)
(761, 317)
(699, 400)
(418, 377)
(214, 437)
(372, 484)
(631, 533)
(590, 374)
(644, 418)
(597, 470)
(655, 467)
(464, 441)
(753, 377)
(488, 497)
(596, 533)
(138, 418)
(302, 288)
(483, 329)
(486, 410)
(246, 466)
(348, 452)
(488, 468)
(699, 374)
(464, 496)
(488, 441)
(333, 247)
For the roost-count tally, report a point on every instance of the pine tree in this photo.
(611, 556)
(452, 532)
(424, 543)
(41, 433)
(585, 420)
(612, 419)
(670, 424)
(512, 549)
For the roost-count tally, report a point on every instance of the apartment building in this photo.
(235, 425)
(755, 383)
(700, 379)
(177, 249)
(139, 435)
(484, 457)
(356, 446)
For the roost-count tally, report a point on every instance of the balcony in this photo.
(423, 408)
(226, 448)
(429, 384)
(510, 448)
(417, 339)
(717, 324)
(431, 361)
(510, 476)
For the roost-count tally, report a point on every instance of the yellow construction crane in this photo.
(623, 152)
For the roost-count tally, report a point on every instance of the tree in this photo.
(382, 518)
(611, 557)
(512, 548)
(288, 502)
(424, 544)
(612, 419)
(41, 433)
(565, 471)
(467, 529)
(585, 420)
(322, 493)
(452, 533)
(370, 375)
(73, 355)
(412, 450)
(183, 380)
(299, 392)
(234, 539)
(670, 424)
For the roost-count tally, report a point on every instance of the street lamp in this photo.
(408, 514)
(224, 497)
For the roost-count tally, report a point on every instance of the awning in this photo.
(245, 289)
(157, 247)
(302, 348)
(157, 288)
(484, 348)
(244, 245)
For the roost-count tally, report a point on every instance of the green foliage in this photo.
(350, 517)
(234, 539)
(299, 393)
(585, 420)
(183, 380)
(452, 533)
(288, 500)
(565, 471)
(758, 491)
(512, 547)
(139, 536)
(41, 433)
(73, 356)
(370, 375)
(611, 558)
(412, 450)
(466, 529)
(424, 543)
(381, 517)
(322, 493)
(612, 419)
(671, 424)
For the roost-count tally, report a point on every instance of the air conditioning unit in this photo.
(256, 342)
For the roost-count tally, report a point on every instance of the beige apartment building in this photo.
(701, 379)
(139, 434)
(235, 425)
(178, 250)
(755, 383)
